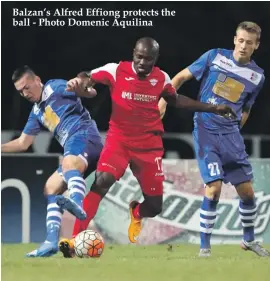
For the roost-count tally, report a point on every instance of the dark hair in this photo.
(19, 72)
(251, 27)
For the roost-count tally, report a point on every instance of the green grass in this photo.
(137, 263)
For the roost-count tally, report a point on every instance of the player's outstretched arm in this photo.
(18, 145)
(181, 101)
(178, 80)
(82, 85)
(181, 77)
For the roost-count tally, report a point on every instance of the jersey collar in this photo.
(45, 94)
(237, 63)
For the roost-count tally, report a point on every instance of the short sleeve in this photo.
(252, 97)
(32, 126)
(200, 66)
(105, 74)
(58, 87)
(168, 88)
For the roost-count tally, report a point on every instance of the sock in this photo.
(149, 208)
(207, 221)
(90, 205)
(247, 211)
(136, 212)
(76, 186)
(54, 218)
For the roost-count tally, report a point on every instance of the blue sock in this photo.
(54, 218)
(76, 185)
(247, 211)
(207, 221)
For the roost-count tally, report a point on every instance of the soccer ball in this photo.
(88, 243)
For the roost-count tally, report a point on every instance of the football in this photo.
(88, 244)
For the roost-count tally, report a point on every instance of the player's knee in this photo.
(245, 191)
(54, 185)
(72, 162)
(103, 182)
(213, 190)
(49, 190)
(248, 196)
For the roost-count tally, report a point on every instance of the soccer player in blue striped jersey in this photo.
(227, 77)
(63, 114)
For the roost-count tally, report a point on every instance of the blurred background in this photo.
(61, 52)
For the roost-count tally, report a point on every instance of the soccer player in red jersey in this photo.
(135, 131)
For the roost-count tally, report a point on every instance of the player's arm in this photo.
(82, 85)
(249, 102)
(196, 69)
(84, 82)
(18, 145)
(31, 129)
(245, 115)
(178, 80)
(181, 101)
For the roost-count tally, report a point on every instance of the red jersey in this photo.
(135, 112)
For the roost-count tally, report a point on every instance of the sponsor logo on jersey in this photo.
(138, 97)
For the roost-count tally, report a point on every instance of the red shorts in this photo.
(145, 165)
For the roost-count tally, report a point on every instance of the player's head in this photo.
(145, 55)
(246, 40)
(27, 83)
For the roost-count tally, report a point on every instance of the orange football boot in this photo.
(135, 226)
(66, 246)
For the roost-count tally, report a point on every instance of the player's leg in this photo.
(54, 185)
(247, 211)
(208, 215)
(79, 151)
(100, 187)
(209, 162)
(103, 182)
(111, 166)
(239, 173)
(73, 169)
(147, 168)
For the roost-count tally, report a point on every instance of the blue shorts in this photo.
(85, 145)
(222, 156)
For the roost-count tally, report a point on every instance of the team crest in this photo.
(153, 82)
(254, 76)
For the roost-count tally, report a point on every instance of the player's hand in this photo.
(77, 84)
(74, 84)
(226, 111)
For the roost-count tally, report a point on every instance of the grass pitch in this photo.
(137, 263)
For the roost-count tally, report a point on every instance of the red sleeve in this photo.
(168, 88)
(105, 74)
